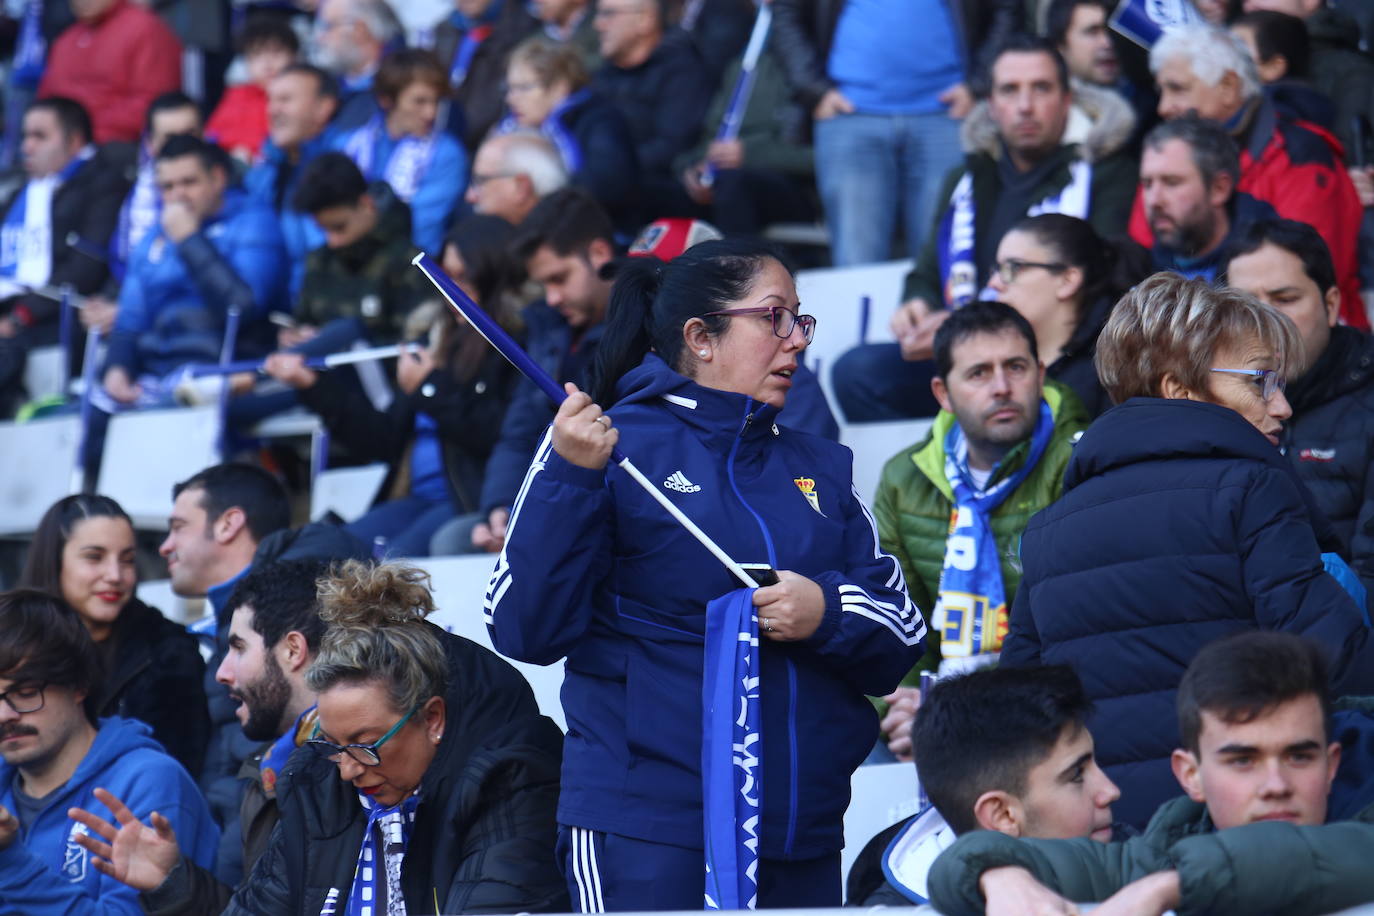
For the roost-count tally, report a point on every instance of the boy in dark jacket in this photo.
(1330, 436)
(1004, 749)
(1261, 748)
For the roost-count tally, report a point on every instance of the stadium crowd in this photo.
(1114, 603)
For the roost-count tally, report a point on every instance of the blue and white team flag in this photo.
(1143, 21)
(731, 752)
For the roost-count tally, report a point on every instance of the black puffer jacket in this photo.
(1330, 440)
(483, 840)
(156, 677)
(1179, 524)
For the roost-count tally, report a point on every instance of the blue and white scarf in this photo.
(404, 169)
(972, 610)
(395, 825)
(958, 270)
(31, 48)
(732, 752)
(140, 214)
(26, 232)
(555, 131)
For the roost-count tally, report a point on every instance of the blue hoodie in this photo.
(594, 570)
(45, 871)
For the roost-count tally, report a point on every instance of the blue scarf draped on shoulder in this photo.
(732, 752)
(956, 234)
(972, 608)
(555, 131)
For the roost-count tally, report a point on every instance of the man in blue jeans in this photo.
(886, 84)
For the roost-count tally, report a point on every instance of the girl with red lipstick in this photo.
(83, 551)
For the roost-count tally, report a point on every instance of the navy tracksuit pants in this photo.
(608, 873)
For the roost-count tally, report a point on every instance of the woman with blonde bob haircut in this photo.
(431, 782)
(1181, 522)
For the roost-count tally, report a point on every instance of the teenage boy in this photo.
(1258, 763)
(1003, 749)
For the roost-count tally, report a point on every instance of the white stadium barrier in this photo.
(147, 451)
(40, 467)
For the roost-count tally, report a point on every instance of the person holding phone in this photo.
(696, 363)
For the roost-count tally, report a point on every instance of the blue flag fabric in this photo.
(1143, 21)
(731, 752)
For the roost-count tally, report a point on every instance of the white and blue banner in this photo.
(1143, 21)
(731, 752)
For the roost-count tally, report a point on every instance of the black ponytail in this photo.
(626, 338)
(652, 301)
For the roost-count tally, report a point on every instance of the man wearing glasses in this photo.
(55, 755)
(1188, 176)
(952, 507)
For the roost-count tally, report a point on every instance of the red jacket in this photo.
(240, 119)
(115, 65)
(1299, 168)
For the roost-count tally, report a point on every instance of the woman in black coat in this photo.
(432, 774)
(1180, 522)
(84, 551)
(547, 90)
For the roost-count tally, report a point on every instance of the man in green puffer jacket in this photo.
(991, 387)
(1268, 826)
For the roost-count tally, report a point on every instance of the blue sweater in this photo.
(174, 300)
(596, 571)
(45, 873)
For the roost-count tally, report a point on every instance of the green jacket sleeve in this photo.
(1081, 870)
(924, 280)
(1276, 868)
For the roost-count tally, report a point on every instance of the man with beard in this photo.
(1188, 176)
(951, 508)
(56, 753)
(274, 635)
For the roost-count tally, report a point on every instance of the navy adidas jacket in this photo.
(596, 571)
(1179, 524)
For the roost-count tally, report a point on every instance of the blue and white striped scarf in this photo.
(395, 825)
(404, 169)
(26, 231)
(972, 609)
(957, 234)
(732, 752)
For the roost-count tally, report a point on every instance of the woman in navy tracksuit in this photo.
(596, 571)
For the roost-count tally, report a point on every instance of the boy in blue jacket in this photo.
(55, 755)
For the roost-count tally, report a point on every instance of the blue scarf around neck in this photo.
(972, 609)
